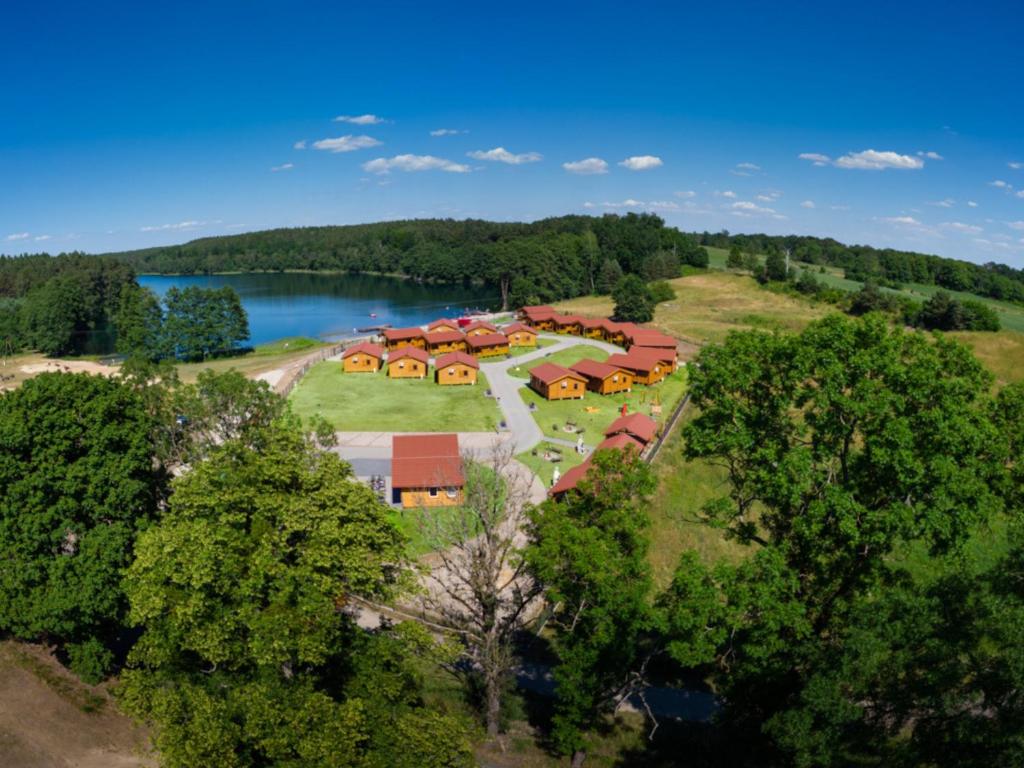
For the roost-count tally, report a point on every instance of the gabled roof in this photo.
(486, 340)
(591, 322)
(592, 369)
(641, 359)
(549, 373)
(639, 425)
(364, 348)
(570, 479)
(397, 334)
(517, 328)
(444, 337)
(621, 442)
(652, 339)
(426, 461)
(613, 327)
(443, 321)
(453, 358)
(566, 319)
(480, 324)
(414, 352)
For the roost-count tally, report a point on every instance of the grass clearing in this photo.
(551, 415)
(263, 358)
(564, 357)
(520, 351)
(544, 469)
(372, 402)
(1001, 352)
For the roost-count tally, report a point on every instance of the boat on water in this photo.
(373, 328)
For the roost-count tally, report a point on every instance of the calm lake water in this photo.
(331, 306)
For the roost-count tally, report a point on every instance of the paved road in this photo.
(505, 387)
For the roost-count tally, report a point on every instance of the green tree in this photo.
(632, 300)
(242, 590)
(590, 553)
(661, 290)
(139, 324)
(775, 269)
(941, 312)
(77, 482)
(202, 323)
(843, 445)
(611, 273)
(735, 258)
(52, 317)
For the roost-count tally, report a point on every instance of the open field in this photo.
(356, 402)
(551, 415)
(1001, 352)
(707, 306)
(50, 719)
(544, 469)
(541, 343)
(264, 358)
(564, 357)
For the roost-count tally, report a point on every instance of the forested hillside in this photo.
(541, 261)
(884, 266)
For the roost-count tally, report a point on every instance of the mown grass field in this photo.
(564, 357)
(551, 415)
(263, 358)
(544, 469)
(372, 402)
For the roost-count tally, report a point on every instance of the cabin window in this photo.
(433, 493)
(451, 371)
(401, 364)
(465, 372)
(355, 360)
(657, 369)
(565, 385)
(451, 492)
(615, 377)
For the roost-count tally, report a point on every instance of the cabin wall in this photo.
(360, 363)
(407, 369)
(416, 498)
(456, 374)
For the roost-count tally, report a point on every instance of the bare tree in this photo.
(479, 587)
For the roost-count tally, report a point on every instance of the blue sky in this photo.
(131, 125)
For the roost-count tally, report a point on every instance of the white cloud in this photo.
(748, 166)
(191, 224)
(727, 193)
(947, 203)
(642, 162)
(1020, 193)
(971, 204)
(815, 157)
(744, 208)
(588, 167)
(348, 143)
(807, 204)
(17, 236)
(873, 160)
(1015, 224)
(502, 155)
(908, 221)
(931, 155)
(411, 163)
(1000, 184)
(359, 119)
(839, 207)
(446, 132)
(299, 144)
(1016, 166)
(686, 194)
(282, 167)
(41, 237)
(959, 226)
(653, 205)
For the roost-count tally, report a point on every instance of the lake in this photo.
(331, 306)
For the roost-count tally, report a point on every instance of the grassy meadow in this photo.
(564, 357)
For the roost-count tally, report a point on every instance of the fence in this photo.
(669, 426)
(293, 376)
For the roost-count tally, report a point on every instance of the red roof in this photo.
(652, 339)
(641, 359)
(414, 352)
(549, 373)
(570, 479)
(592, 369)
(517, 328)
(620, 442)
(637, 424)
(566, 319)
(443, 321)
(481, 324)
(365, 347)
(397, 334)
(426, 461)
(456, 357)
(444, 337)
(612, 327)
(486, 340)
(591, 322)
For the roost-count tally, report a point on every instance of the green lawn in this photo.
(544, 469)
(519, 351)
(551, 415)
(372, 402)
(565, 357)
(263, 358)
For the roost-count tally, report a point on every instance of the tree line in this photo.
(213, 552)
(884, 266)
(542, 261)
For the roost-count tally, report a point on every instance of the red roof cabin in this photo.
(456, 368)
(620, 442)
(362, 358)
(408, 363)
(569, 324)
(592, 328)
(520, 335)
(553, 382)
(603, 378)
(439, 342)
(443, 324)
(396, 338)
(649, 366)
(487, 345)
(480, 328)
(637, 425)
(426, 471)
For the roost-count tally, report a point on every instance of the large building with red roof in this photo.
(426, 471)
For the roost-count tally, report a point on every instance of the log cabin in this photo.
(602, 378)
(487, 345)
(520, 335)
(426, 471)
(443, 324)
(408, 363)
(456, 368)
(614, 333)
(591, 328)
(637, 425)
(362, 358)
(480, 328)
(396, 338)
(440, 342)
(568, 324)
(648, 365)
(553, 382)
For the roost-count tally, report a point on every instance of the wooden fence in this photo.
(293, 376)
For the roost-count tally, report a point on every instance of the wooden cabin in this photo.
(487, 345)
(520, 335)
(426, 471)
(456, 368)
(528, 312)
(637, 425)
(667, 356)
(540, 318)
(621, 442)
(440, 342)
(362, 358)
(614, 333)
(480, 328)
(443, 324)
(569, 481)
(591, 328)
(647, 365)
(602, 378)
(408, 363)
(396, 338)
(569, 324)
(553, 382)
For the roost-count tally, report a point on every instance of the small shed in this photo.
(604, 379)
(487, 344)
(553, 382)
(408, 363)
(456, 368)
(426, 471)
(362, 358)
(520, 335)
